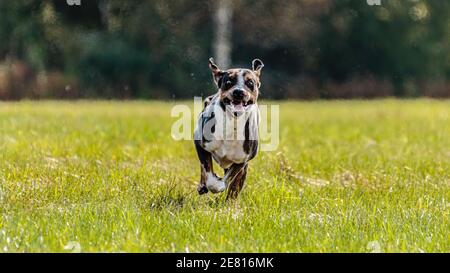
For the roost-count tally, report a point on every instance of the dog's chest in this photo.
(229, 148)
(229, 137)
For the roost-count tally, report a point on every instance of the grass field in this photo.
(348, 176)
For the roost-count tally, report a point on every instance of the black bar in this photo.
(225, 262)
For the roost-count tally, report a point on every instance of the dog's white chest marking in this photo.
(227, 142)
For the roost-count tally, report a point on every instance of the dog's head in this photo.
(238, 87)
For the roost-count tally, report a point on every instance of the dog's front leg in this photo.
(208, 179)
(235, 178)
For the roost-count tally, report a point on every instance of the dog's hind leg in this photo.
(235, 178)
(208, 179)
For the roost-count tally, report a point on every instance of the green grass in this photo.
(350, 176)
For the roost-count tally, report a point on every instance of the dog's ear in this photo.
(217, 73)
(257, 65)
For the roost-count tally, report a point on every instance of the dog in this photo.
(227, 128)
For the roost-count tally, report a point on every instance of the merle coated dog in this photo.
(227, 128)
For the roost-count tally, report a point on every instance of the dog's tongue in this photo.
(238, 107)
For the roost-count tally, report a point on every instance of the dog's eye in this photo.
(250, 84)
(228, 84)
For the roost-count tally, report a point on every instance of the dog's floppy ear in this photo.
(217, 73)
(257, 65)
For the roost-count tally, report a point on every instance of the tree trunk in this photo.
(222, 41)
(103, 6)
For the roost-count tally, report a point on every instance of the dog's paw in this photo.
(215, 184)
(202, 189)
(219, 187)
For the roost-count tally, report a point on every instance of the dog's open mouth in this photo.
(237, 107)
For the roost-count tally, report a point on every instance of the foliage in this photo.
(159, 49)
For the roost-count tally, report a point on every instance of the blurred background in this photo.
(159, 49)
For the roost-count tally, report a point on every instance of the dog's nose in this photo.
(238, 94)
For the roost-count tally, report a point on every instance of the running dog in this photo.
(227, 128)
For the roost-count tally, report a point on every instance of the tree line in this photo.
(160, 48)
